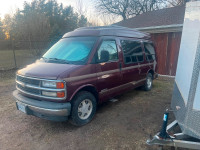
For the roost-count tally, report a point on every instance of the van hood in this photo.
(48, 70)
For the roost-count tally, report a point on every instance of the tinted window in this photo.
(132, 51)
(109, 47)
(149, 51)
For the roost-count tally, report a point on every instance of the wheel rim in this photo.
(149, 82)
(85, 109)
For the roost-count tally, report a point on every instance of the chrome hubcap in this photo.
(85, 109)
(149, 82)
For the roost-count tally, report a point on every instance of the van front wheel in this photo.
(83, 108)
(149, 82)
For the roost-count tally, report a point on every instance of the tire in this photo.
(148, 82)
(83, 108)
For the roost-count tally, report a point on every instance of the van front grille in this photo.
(29, 90)
(33, 87)
(28, 80)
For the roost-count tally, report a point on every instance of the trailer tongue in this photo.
(186, 94)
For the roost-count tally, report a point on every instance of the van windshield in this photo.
(73, 50)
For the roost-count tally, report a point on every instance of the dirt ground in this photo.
(125, 124)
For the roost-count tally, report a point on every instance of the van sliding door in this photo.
(132, 55)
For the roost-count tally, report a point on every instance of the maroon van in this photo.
(86, 67)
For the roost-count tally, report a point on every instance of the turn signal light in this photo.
(60, 94)
(60, 85)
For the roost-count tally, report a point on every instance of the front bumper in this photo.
(43, 109)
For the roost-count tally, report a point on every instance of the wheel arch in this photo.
(89, 88)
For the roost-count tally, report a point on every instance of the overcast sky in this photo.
(9, 6)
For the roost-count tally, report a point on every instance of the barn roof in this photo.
(162, 17)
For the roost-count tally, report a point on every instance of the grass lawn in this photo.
(23, 57)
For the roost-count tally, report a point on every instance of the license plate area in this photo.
(21, 107)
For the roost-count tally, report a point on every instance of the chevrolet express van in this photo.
(85, 68)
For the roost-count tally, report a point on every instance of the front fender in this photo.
(80, 88)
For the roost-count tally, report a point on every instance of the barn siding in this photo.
(167, 49)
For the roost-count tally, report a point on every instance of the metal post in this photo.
(11, 41)
(163, 133)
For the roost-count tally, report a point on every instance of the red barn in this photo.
(165, 27)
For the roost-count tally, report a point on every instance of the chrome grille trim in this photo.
(28, 80)
(39, 87)
(29, 90)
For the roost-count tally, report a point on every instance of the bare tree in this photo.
(128, 8)
(81, 8)
(94, 19)
(108, 19)
(115, 7)
(177, 2)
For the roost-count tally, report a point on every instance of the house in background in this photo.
(165, 27)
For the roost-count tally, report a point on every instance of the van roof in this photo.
(112, 30)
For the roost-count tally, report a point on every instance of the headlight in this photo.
(53, 84)
(51, 94)
(54, 94)
(49, 84)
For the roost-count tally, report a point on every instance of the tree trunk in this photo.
(124, 16)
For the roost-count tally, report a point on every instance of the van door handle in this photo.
(120, 66)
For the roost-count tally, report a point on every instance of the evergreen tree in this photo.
(45, 20)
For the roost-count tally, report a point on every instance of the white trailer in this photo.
(186, 94)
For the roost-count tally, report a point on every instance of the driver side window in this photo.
(107, 51)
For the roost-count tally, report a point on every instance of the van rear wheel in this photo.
(149, 82)
(83, 108)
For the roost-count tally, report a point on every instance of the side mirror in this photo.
(104, 56)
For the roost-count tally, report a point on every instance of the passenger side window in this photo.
(107, 51)
(149, 51)
(132, 51)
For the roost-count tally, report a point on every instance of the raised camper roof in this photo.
(112, 30)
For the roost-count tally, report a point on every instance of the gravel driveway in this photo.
(125, 124)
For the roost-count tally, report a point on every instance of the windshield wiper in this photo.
(59, 60)
(44, 58)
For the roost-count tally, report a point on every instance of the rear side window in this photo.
(110, 47)
(149, 52)
(132, 51)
